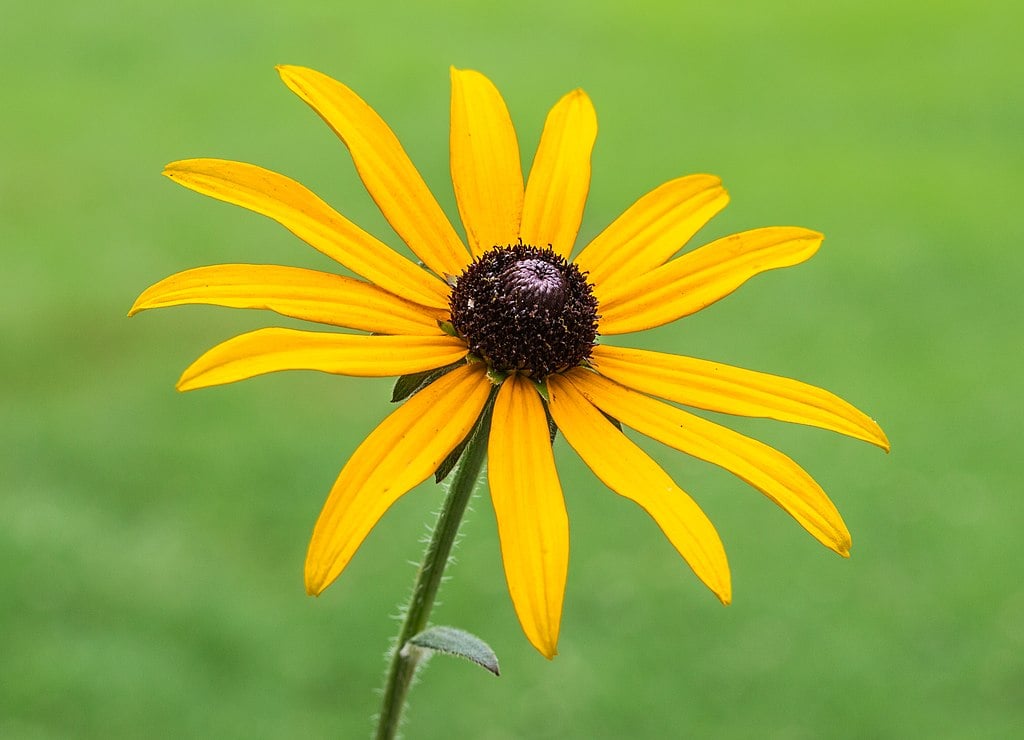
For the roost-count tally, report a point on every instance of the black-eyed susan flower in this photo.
(511, 312)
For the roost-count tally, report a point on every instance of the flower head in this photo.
(525, 309)
(512, 311)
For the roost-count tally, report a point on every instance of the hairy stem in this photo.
(403, 664)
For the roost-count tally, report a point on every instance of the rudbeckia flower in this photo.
(506, 317)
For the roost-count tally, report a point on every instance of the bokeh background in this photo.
(151, 543)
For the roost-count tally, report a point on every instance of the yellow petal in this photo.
(486, 172)
(309, 218)
(385, 169)
(397, 456)
(269, 350)
(556, 190)
(732, 390)
(768, 470)
(652, 229)
(699, 278)
(532, 523)
(628, 471)
(295, 292)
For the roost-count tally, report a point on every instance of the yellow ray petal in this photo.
(652, 229)
(767, 469)
(309, 218)
(732, 390)
(486, 172)
(385, 169)
(397, 456)
(528, 504)
(628, 471)
(295, 292)
(559, 181)
(699, 278)
(269, 350)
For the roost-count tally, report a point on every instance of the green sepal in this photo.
(448, 328)
(406, 385)
(613, 420)
(542, 389)
(448, 464)
(552, 427)
(496, 377)
(453, 641)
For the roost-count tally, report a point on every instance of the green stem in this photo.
(428, 578)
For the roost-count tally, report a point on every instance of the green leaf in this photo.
(453, 641)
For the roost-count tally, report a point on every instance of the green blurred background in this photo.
(151, 543)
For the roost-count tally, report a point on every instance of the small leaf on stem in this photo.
(453, 641)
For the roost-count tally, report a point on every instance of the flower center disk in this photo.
(523, 308)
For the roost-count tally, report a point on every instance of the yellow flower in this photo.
(512, 311)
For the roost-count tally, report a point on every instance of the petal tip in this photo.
(723, 591)
(313, 586)
(547, 648)
(314, 577)
(189, 380)
(882, 440)
(291, 74)
(579, 96)
(179, 171)
(803, 234)
(178, 165)
(466, 73)
(717, 576)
